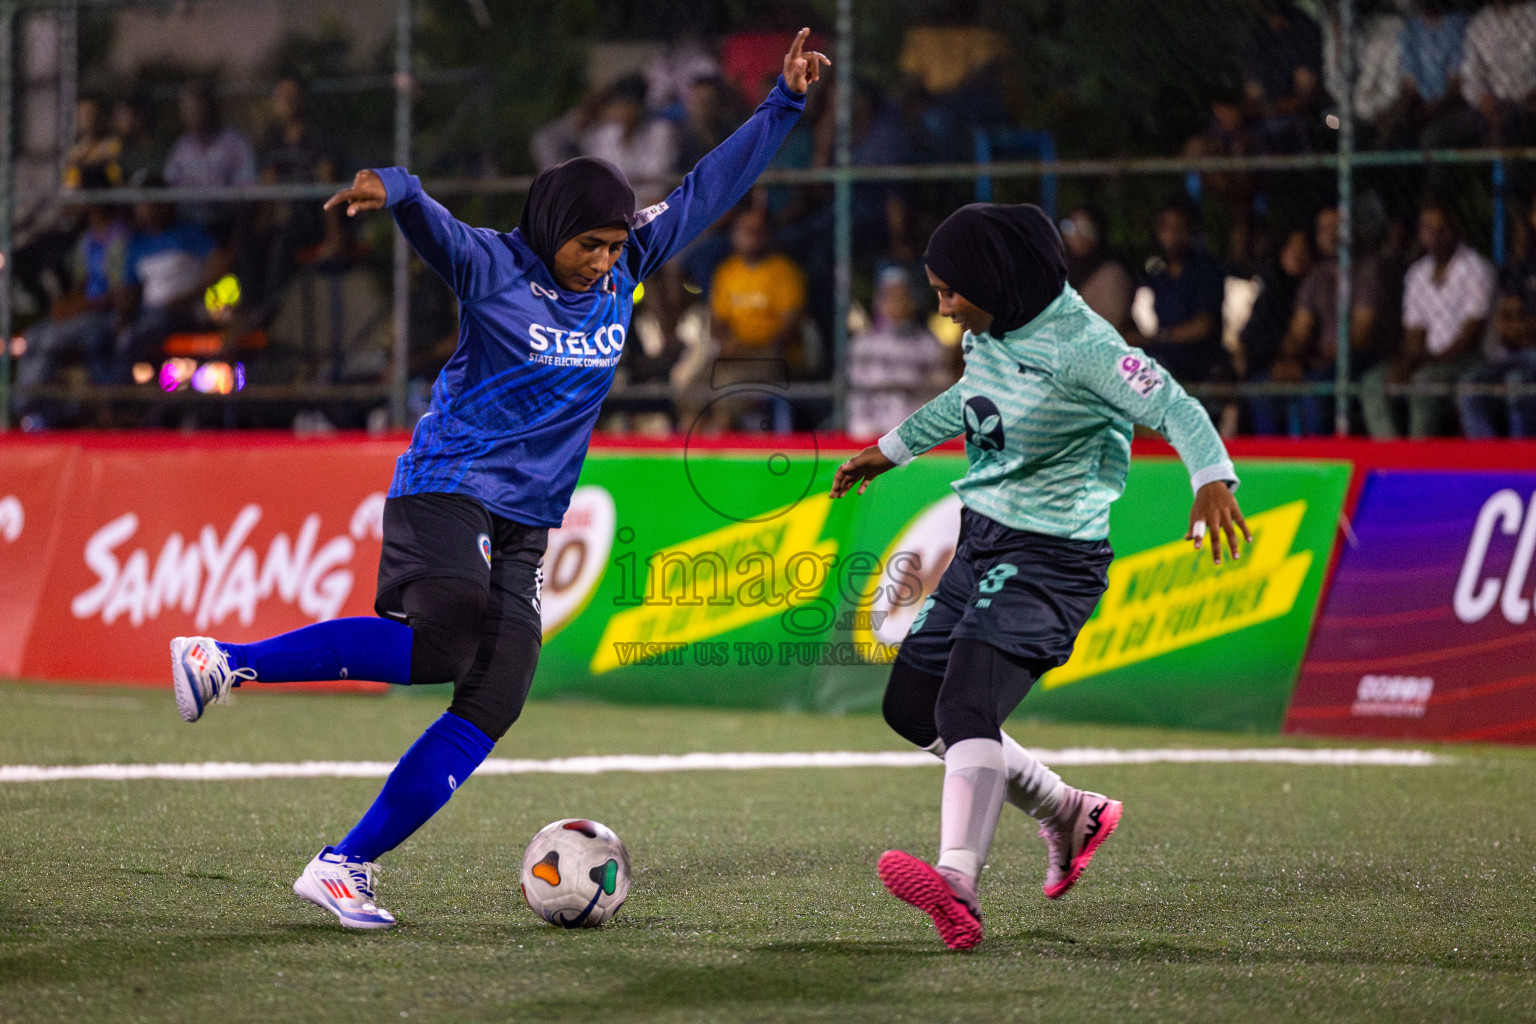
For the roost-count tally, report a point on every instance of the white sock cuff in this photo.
(974, 754)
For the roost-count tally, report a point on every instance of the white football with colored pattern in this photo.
(575, 873)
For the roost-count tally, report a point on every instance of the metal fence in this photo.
(1043, 177)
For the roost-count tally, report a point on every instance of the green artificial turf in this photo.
(1231, 892)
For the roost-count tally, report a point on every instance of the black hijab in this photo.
(569, 198)
(1005, 260)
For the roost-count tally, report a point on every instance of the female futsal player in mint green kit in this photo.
(1046, 405)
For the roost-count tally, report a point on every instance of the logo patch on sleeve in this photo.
(648, 214)
(1141, 374)
(485, 548)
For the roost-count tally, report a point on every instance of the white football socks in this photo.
(975, 783)
(1032, 787)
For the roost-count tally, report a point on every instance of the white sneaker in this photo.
(345, 888)
(200, 675)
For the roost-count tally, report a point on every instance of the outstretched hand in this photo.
(1216, 514)
(860, 469)
(800, 68)
(367, 193)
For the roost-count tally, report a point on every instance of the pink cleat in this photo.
(1075, 833)
(918, 883)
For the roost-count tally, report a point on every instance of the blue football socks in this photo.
(423, 780)
(355, 648)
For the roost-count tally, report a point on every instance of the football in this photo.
(575, 873)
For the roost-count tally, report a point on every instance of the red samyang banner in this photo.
(132, 546)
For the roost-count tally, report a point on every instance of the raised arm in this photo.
(728, 172)
(471, 260)
(1131, 383)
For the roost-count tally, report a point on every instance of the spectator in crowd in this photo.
(133, 124)
(1187, 291)
(1447, 293)
(896, 364)
(955, 69)
(171, 262)
(1429, 57)
(642, 146)
(1230, 132)
(1264, 336)
(80, 323)
(671, 75)
(1515, 329)
(1311, 343)
(1377, 69)
(757, 298)
(292, 152)
(757, 308)
(1282, 69)
(208, 154)
(1498, 77)
(710, 115)
(560, 140)
(1093, 270)
(96, 146)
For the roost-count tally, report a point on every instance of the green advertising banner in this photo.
(733, 580)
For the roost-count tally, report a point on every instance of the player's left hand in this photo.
(1216, 514)
(800, 68)
(860, 469)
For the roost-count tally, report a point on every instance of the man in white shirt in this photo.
(1498, 71)
(1447, 294)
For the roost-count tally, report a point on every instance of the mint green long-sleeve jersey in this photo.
(1047, 413)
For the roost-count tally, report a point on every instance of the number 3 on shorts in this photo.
(996, 576)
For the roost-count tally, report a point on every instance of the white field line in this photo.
(222, 770)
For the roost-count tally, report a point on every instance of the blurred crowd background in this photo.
(1187, 149)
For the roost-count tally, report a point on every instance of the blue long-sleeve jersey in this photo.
(512, 413)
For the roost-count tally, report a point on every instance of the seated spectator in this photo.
(559, 140)
(1378, 69)
(208, 154)
(1264, 336)
(96, 146)
(1230, 132)
(758, 296)
(642, 146)
(896, 365)
(1282, 69)
(1092, 269)
(79, 325)
(1446, 297)
(1515, 329)
(710, 114)
(170, 264)
(1311, 345)
(1498, 78)
(292, 152)
(955, 71)
(757, 304)
(1430, 57)
(1187, 291)
(671, 75)
(133, 124)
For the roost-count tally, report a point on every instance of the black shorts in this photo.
(1028, 594)
(454, 535)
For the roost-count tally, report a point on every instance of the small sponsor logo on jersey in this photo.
(541, 292)
(1392, 696)
(1141, 374)
(485, 549)
(648, 214)
(983, 424)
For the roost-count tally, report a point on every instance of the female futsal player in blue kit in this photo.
(543, 315)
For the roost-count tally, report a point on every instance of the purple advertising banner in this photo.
(1428, 629)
